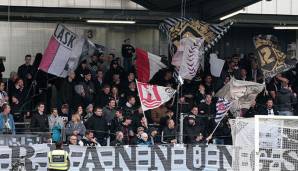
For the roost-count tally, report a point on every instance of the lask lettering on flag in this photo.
(152, 96)
(65, 50)
(193, 55)
(147, 64)
(222, 107)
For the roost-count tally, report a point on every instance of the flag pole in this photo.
(219, 122)
(141, 101)
(178, 135)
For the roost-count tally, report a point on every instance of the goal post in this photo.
(276, 143)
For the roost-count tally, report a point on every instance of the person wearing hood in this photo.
(114, 69)
(99, 125)
(285, 98)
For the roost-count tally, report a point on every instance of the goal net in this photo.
(265, 143)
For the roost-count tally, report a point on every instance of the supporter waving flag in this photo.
(152, 96)
(222, 107)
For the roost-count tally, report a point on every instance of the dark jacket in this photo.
(20, 94)
(191, 132)
(109, 114)
(102, 99)
(39, 123)
(89, 91)
(85, 142)
(23, 71)
(128, 111)
(284, 99)
(126, 130)
(115, 124)
(2, 68)
(264, 111)
(127, 51)
(169, 134)
(67, 92)
(251, 112)
(98, 125)
(117, 143)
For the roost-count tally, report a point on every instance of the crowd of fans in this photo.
(98, 104)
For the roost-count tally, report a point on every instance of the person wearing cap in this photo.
(191, 130)
(127, 53)
(58, 159)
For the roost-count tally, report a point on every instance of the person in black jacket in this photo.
(252, 111)
(116, 123)
(67, 89)
(17, 97)
(207, 111)
(39, 121)
(127, 53)
(269, 109)
(191, 130)
(26, 71)
(129, 107)
(103, 97)
(169, 133)
(285, 98)
(119, 139)
(99, 125)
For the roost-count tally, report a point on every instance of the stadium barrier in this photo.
(159, 157)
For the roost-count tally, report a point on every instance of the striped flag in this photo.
(222, 107)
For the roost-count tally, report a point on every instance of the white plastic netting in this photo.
(265, 143)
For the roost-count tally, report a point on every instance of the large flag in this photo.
(65, 50)
(271, 59)
(193, 53)
(147, 65)
(178, 28)
(222, 107)
(152, 96)
(242, 93)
